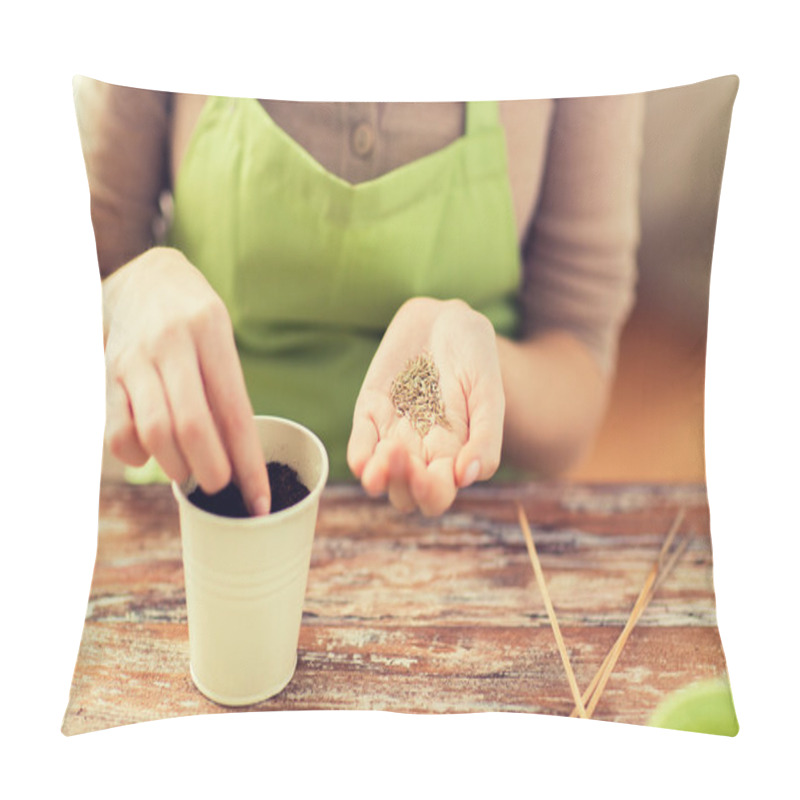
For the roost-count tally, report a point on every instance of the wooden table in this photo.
(410, 614)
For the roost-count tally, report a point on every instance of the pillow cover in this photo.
(446, 615)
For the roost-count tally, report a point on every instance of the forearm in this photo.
(555, 398)
(579, 283)
(124, 137)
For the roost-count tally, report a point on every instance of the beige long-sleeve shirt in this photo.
(573, 175)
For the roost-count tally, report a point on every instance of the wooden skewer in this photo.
(604, 672)
(679, 551)
(617, 650)
(655, 577)
(537, 569)
(648, 585)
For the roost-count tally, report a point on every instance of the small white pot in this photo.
(246, 578)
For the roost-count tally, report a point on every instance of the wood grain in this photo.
(419, 615)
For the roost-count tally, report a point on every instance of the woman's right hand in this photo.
(175, 388)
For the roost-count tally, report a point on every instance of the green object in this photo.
(703, 707)
(150, 472)
(312, 268)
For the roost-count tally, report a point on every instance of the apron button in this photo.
(363, 139)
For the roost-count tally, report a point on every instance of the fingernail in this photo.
(471, 475)
(261, 506)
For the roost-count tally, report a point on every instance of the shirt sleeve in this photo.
(124, 137)
(580, 249)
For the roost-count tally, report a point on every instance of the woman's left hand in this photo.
(386, 453)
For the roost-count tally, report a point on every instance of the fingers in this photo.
(400, 495)
(376, 473)
(192, 423)
(388, 472)
(121, 435)
(410, 483)
(362, 442)
(231, 409)
(479, 458)
(151, 415)
(170, 416)
(433, 485)
(253, 479)
(181, 396)
(172, 419)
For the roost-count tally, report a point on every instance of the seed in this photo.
(415, 394)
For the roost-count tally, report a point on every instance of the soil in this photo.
(287, 489)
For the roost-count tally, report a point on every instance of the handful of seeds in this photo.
(415, 394)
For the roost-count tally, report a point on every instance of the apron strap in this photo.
(481, 115)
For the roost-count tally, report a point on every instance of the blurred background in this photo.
(653, 430)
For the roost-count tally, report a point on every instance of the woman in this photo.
(315, 248)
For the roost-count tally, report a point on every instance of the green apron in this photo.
(313, 268)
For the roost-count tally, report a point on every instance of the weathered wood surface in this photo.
(417, 615)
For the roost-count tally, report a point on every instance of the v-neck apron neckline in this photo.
(312, 267)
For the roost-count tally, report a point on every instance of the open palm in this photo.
(422, 466)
